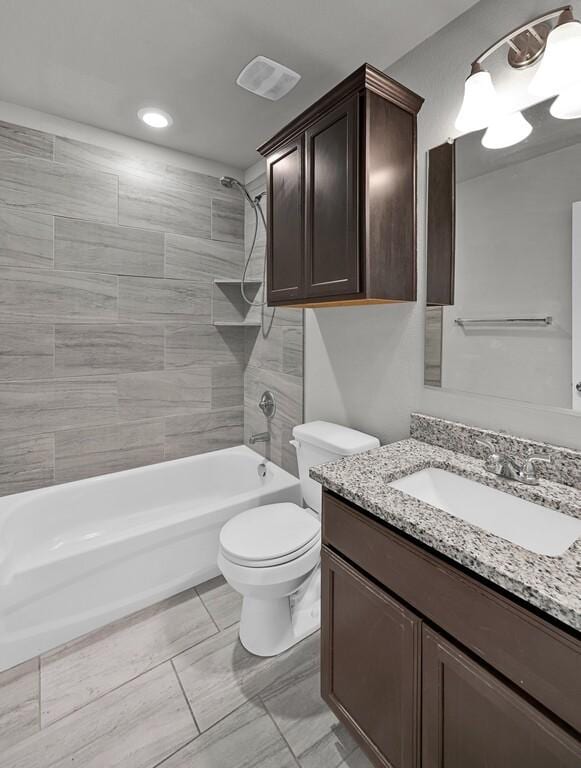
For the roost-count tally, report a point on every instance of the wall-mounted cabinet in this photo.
(341, 185)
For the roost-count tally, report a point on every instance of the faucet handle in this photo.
(487, 444)
(529, 472)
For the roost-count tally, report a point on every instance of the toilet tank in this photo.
(319, 442)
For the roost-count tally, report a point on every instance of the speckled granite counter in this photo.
(552, 584)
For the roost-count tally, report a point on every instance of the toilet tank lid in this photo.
(335, 438)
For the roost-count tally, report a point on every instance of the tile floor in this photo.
(171, 686)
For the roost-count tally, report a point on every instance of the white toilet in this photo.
(271, 554)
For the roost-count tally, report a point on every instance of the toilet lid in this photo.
(269, 533)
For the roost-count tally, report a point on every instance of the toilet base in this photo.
(269, 627)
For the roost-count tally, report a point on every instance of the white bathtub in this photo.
(77, 556)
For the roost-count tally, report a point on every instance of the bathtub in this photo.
(77, 556)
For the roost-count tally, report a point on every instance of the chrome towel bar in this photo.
(504, 320)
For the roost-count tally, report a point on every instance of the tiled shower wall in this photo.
(108, 358)
(274, 357)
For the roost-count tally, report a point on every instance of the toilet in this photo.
(271, 554)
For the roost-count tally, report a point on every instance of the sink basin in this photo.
(530, 525)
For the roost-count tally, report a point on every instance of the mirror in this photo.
(504, 265)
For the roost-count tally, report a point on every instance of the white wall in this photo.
(364, 366)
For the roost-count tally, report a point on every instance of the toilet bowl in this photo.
(271, 554)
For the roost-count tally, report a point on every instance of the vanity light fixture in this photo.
(154, 117)
(559, 73)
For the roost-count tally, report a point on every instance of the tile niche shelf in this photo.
(229, 308)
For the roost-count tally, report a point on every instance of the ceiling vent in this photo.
(267, 78)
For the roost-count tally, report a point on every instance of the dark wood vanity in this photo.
(341, 186)
(429, 665)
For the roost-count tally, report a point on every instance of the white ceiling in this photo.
(98, 61)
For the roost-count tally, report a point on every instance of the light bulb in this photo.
(481, 104)
(568, 105)
(506, 131)
(561, 63)
(154, 117)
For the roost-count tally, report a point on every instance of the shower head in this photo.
(230, 182)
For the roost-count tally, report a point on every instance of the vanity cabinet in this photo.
(428, 665)
(341, 187)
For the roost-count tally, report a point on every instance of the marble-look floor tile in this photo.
(196, 433)
(219, 674)
(92, 349)
(358, 759)
(245, 739)
(163, 300)
(25, 239)
(29, 295)
(90, 667)
(40, 186)
(26, 463)
(25, 141)
(92, 247)
(201, 259)
(93, 451)
(26, 351)
(223, 602)
(312, 731)
(19, 703)
(164, 393)
(135, 726)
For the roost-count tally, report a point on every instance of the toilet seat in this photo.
(269, 535)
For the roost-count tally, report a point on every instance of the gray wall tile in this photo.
(229, 306)
(26, 239)
(153, 204)
(26, 351)
(26, 141)
(94, 247)
(227, 386)
(19, 703)
(164, 393)
(25, 463)
(151, 299)
(33, 407)
(292, 351)
(201, 432)
(200, 259)
(85, 349)
(203, 345)
(41, 186)
(228, 220)
(40, 294)
(95, 451)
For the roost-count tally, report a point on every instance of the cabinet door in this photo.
(370, 664)
(332, 265)
(285, 246)
(471, 718)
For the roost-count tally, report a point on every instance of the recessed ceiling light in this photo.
(155, 118)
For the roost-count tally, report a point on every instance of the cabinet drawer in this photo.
(540, 658)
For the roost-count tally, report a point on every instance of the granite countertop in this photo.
(552, 584)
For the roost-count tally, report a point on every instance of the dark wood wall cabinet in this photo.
(341, 187)
(429, 666)
(441, 224)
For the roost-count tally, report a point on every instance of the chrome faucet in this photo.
(511, 468)
(260, 437)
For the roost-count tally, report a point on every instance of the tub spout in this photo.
(260, 437)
